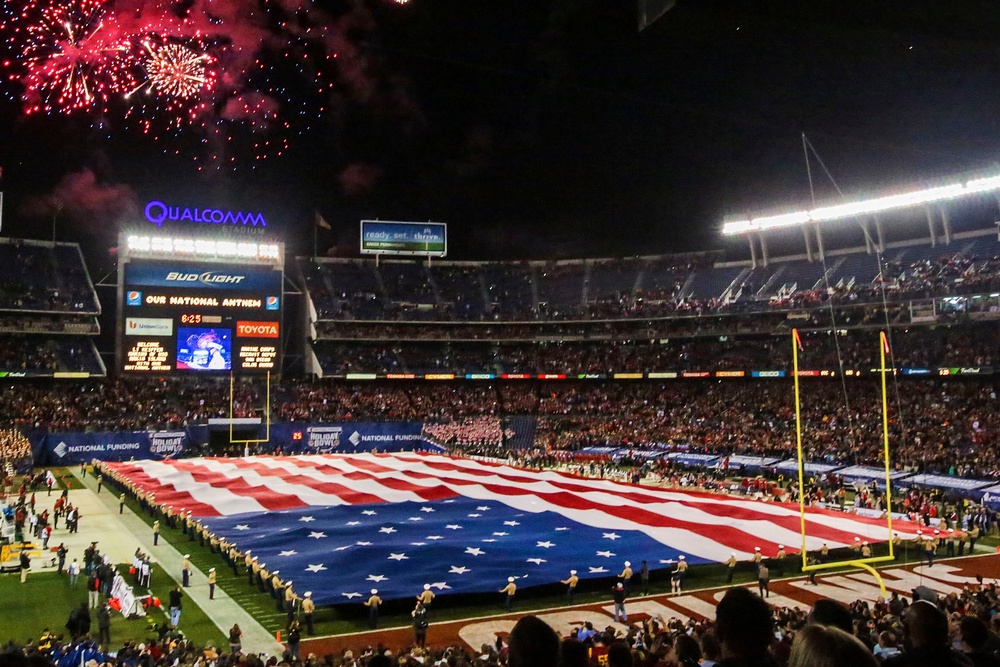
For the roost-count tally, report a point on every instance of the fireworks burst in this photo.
(216, 80)
(176, 70)
(73, 56)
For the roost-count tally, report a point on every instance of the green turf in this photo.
(46, 600)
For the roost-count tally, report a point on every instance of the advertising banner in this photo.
(970, 488)
(792, 465)
(991, 497)
(870, 473)
(404, 238)
(689, 459)
(68, 448)
(188, 275)
(349, 437)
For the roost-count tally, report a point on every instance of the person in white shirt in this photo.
(74, 573)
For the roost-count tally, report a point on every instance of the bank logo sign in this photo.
(149, 326)
(157, 213)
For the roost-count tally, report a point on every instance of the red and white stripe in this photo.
(703, 524)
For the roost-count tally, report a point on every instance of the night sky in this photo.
(556, 129)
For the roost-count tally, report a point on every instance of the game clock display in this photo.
(199, 319)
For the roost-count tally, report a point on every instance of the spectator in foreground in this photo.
(831, 613)
(687, 652)
(745, 630)
(533, 643)
(829, 646)
(925, 639)
(975, 636)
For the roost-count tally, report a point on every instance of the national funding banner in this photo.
(68, 448)
(351, 437)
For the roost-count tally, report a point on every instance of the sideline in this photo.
(224, 611)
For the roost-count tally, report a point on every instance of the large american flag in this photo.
(339, 525)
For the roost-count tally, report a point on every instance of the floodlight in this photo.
(204, 247)
(864, 207)
(138, 243)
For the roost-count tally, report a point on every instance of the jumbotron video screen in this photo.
(190, 316)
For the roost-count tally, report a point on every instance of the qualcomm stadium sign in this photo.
(157, 213)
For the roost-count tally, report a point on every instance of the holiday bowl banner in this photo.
(340, 525)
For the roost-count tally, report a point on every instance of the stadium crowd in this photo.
(631, 288)
(943, 425)
(15, 451)
(477, 432)
(918, 347)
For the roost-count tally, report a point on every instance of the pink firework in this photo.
(74, 57)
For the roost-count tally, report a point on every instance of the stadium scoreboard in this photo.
(199, 313)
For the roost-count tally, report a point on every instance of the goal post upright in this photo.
(883, 346)
(863, 563)
(267, 413)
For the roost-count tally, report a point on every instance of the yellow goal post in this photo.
(267, 413)
(863, 563)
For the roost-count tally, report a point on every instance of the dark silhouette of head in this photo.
(743, 624)
(710, 646)
(619, 655)
(829, 646)
(924, 626)
(574, 653)
(831, 613)
(687, 650)
(532, 643)
(975, 633)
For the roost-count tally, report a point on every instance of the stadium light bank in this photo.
(202, 247)
(863, 207)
